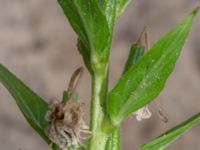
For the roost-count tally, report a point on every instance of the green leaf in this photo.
(170, 136)
(109, 9)
(135, 54)
(85, 52)
(121, 5)
(114, 141)
(31, 105)
(91, 25)
(144, 81)
(137, 50)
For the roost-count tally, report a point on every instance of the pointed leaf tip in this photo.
(143, 82)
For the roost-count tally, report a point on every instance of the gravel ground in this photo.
(38, 45)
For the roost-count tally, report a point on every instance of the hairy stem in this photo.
(99, 95)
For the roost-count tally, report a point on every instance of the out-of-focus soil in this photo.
(38, 45)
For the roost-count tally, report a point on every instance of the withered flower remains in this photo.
(65, 119)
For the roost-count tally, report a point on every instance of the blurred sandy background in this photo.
(38, 45)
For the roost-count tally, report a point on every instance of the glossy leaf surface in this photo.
(31, 105)
(144, 81)
(135, 54)
(89, 22)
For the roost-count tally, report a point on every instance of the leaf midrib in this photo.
(129, 101)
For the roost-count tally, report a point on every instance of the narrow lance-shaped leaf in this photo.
(135, 54)
(167, 138)
(90, 24)
(31, 105)
(144, 81)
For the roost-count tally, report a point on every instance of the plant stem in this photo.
(114, 140)
(99, 95)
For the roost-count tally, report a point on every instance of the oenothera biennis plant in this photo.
(60, 122)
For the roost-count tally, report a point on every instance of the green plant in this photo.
(143, 78)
